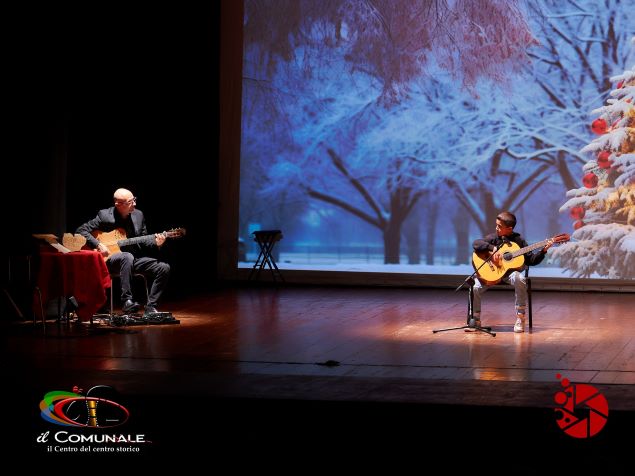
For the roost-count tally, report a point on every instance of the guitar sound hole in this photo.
(507, 256)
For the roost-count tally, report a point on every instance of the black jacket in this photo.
(493, 241)
(108, 219)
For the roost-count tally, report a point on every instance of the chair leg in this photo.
(145, 285)
(39, 294)
(12, 302)
(529, 302)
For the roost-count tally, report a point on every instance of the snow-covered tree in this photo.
(392, 40)
(533, 136)
(581, 44)
(604, 208)
(351, 66)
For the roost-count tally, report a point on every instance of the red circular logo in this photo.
(582, 410)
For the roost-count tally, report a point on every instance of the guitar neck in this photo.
(136, 240)
(529, 248)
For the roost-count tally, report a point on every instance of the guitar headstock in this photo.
(174, 233)
(561, 238)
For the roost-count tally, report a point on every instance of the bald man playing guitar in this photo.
(128, 222)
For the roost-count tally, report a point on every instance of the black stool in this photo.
(266, 239)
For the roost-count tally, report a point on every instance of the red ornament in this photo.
(577, 213)
(578, 224)
(620, 84)
(603, 159)
(599, 126)
(590, 180)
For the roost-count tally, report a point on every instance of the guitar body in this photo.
(489, 273)
(110, 240)
(513, 259)
(115, 239)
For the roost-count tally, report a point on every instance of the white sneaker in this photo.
(520, 323)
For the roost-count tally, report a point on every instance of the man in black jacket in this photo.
(132, 258)
(505, 223)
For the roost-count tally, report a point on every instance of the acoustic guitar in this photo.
(115, 239)
(513, 259)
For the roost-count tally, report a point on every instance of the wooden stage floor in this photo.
(258, 351)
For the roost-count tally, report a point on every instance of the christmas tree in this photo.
(603, 209)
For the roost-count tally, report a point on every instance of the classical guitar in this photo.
(115, 239)
(513, 259)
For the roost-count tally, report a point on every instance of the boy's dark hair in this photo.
(508, 218)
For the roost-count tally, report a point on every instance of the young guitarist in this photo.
(133, 258)
(495, 243)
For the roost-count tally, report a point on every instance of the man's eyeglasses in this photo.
(127, 202)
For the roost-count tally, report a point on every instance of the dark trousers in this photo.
(125, 264)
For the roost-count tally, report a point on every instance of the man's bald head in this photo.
(124, 201)
(122, 195)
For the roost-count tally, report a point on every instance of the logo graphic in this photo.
(583, 409)
(96, 409)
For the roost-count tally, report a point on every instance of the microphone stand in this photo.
(471, 322)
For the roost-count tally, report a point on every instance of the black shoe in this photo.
(130, 306)
(150, 310)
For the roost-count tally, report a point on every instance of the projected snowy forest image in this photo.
(387, 135)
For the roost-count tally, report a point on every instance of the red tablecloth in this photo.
(82, 274)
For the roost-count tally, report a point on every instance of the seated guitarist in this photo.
(505, 223)
(133, 258)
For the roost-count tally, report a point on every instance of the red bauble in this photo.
(620, 84)
(603, 159)
(577, 213)
(599, 126)
(590, 180)
(578, 224)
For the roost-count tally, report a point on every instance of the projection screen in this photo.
(387, 136)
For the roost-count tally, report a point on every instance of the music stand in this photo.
(471, 322)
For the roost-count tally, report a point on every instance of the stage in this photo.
(299, 368)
